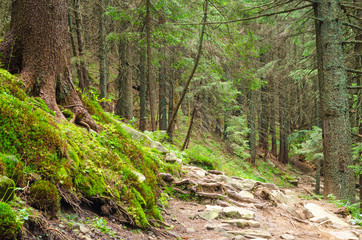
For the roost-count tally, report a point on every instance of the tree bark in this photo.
(162, 103)
(37, 47)
(150, 82)
(143, 92)
(102, 52)
(251, 125)
(338, 177)
(83, 77)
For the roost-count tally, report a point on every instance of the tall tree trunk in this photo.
(102, 51)
(83, 73)
(264, 120)
(37, 47)
(121, 78)
(196, 63)
(143, 92)
(284, 126)
(338, 177)
(273, 135)
(188, 135)
(162, 103)
(251, 125)
(150, 82)
(72, 42)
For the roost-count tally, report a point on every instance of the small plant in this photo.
(44, 196)
(9, 224)
(101, 225)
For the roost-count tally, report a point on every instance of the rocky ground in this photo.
(227, 208)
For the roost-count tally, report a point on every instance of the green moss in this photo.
(7, 189)
(9, 225)
(44, 196)
(102, 165)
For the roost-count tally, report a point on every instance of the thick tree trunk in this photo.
(72, 41)
(37, 47)
(338, 177)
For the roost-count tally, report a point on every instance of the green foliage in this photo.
(9, 224)
(353, 209)
(308, 143)
(44, 196)
(200, 156)
(236, 133)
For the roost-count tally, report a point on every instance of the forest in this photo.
(105, 105)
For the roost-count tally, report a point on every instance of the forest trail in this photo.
(264, 211)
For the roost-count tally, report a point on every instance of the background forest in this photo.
(228, 83)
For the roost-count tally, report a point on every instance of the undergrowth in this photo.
(108, 165)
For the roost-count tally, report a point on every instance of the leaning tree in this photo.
(37, 48)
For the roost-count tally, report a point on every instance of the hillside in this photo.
(69, 183)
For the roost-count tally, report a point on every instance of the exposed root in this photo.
(211, 195)
(71, 199)
(167, 177)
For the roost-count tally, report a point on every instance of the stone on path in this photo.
(237, 212)
(280, 197)
(313, 211)
(260, 233)
(242, 223)
(345, 235)
(210, 213)
(246, 194)
(287, 237)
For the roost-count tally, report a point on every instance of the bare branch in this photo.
(248, 18)
(354, 71)
(352, 25)
(354, 87)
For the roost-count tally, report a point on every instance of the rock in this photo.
(287, 237)
(239, 237)
(210, 227)
(210, 213)
(246, 194)
(270, 186)
(83, 229)
(294, 182)
(242, 223)
(7, 189)
(345, 235)
(143, 137)
(252, 233)
(246, 184)
(314, 211)
(280, 197)
(224, 179)
(237, 212)
(190, 230)
(319, 219)
(140, 177)
(291, 210)
(171, 157)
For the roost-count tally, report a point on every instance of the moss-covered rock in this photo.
(9, 225)
(44, 196)
(7, 188)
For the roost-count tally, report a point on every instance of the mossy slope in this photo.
(34, 145)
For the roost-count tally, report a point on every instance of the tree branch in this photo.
(174, 114)
(248, 18)
(354, 71)
(354, 87)
(352, 25)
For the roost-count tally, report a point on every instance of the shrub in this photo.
(44, 196)
(9, 224)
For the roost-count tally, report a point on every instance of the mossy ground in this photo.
(34, 145)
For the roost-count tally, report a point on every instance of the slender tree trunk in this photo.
(272, 132)
(83, 73)
(72, 43)
(143, 92)
(188, 135)
(264, 120)
(171, 122)
(37, 47)
(127, 96)
(251, 125)
(338, 177)
(121, 78)
(162, 103)
(102, 52)
(150, 82)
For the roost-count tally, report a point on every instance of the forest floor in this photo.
(260, 211)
